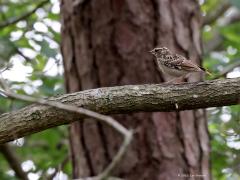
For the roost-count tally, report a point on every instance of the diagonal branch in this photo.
(121, 99)
(13, 161)
(127, 134)
(214, 15)
(215, 43)
(228, 69)
(24, 16)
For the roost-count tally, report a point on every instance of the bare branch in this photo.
(121, 99)
(228, 69)
(59, 168)
(127, 134)
(215, 43)
(24, 16)
(13, 161)
(220, 10)
(234, 17)
(116, 158)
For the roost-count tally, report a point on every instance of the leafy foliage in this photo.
(223, 122)
(31, 45)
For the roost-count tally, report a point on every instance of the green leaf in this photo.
(7, 49)
(46, 50)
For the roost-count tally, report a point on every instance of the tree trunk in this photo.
(106, 43)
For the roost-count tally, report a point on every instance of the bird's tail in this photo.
(206, 71)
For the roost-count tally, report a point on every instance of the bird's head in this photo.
(160, 51)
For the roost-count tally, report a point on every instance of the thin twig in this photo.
(8, 66)
(117, 157)
(103, 118)
(228, 69)
(24, 16)
(115, 160)
(214, 15)
(215, 43)
(13, 161)
(21, 54)
(59, 168)
(234, 18)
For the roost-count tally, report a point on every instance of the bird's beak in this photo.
(151, 51)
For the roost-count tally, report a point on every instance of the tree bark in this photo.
(106, 43)
(120, 99)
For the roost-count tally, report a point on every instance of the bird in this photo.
(175, 65)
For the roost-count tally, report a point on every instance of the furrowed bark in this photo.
(120, 99)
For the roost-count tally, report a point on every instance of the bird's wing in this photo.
(177, 61)
(173, 61)
(185, 64)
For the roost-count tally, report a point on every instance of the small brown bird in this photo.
(174, 65)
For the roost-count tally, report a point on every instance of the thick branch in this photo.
(81, 112)
(121, 99)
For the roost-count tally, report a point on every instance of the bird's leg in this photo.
(178, 80)
(170, 81)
